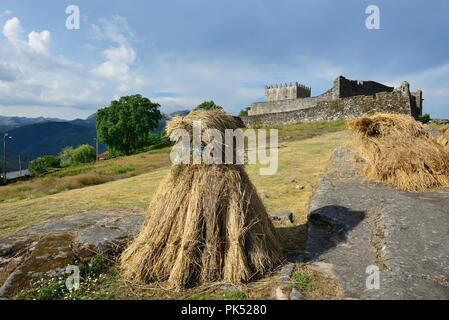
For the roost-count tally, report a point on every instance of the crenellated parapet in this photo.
(286, 91)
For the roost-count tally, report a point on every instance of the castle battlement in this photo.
(292, 91)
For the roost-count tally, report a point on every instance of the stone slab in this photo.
(354, 223)
(48, 247)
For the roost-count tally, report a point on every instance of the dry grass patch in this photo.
(131, 195)
(301, 164)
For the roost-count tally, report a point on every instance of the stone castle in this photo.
(346, 99)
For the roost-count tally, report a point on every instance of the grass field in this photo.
(304, 152)
(301, 162)
(84, 175)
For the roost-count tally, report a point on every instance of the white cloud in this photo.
(434, 84)
(12, 30)
(32, 77)
(120, 56)
(39, 42)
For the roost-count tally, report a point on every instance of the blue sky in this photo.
(180, 53)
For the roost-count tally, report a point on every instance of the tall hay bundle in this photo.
(399, 151)
(206, 223)
(443, 136)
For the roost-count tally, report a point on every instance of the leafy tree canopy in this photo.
(124, 126)
(243, 113)
(208, 105)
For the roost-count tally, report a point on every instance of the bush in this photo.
(43, 164)
(243, 113)
(83, 154)
(208, 105)
(66, 156)
(424, 118)
(163, 141)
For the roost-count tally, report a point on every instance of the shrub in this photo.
(83, 154)
(243, 113)
(424, 118)
(163, 141)
(208, 105)
(66, 156)
(42, 164)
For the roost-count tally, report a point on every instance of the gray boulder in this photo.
(48, 247)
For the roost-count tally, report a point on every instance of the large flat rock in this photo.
(354, 223)
(48, 247)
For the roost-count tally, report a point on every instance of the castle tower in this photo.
(284, 92)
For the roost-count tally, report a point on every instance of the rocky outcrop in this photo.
(48, 247)
(357, 227)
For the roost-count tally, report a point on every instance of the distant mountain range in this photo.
(18, 121)
(35, 137)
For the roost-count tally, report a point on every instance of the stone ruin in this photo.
(346, 99)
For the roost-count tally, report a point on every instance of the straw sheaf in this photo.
(443, 136)
(208, 119)
(206, 223)
(399, 151)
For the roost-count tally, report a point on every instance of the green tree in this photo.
(124, 126)
(208, 105)
(243, 113)
(164, 133)
(153, 139)
(43, 164)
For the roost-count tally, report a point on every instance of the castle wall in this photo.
(350, 88)
(336, 109)
(416, 103)
(283, 105)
